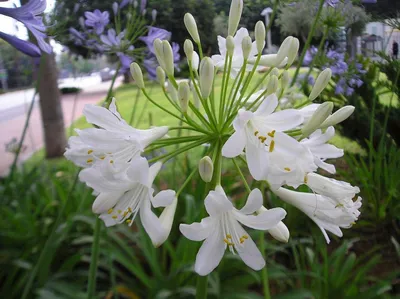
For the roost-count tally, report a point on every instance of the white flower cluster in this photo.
(283, 147)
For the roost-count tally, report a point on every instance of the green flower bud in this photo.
(188, 48)
(206, 74)
(319, 116)
(183, 95)
(168, 58)
(235, 14)
(191, 27)
(137, 75)
(320, 84)
(206, 169)
(293, 50)
(341, 115)
(247, 44)
(260, 36)
(160, 76)
(230, 45)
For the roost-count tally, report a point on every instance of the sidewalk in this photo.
(13, 116)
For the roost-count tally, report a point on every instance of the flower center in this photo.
(232, 238)
(268, 137)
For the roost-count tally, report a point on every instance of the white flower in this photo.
(323, 210)
(280, 231)
(317, 144)
(237, 58)
(260, 132)
(341, 192)
(114, 141)
(222, 230)
(121, 198)
(308, 111)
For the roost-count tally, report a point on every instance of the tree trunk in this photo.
(50, 107)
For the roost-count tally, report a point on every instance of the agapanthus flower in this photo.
(152, 34)
(97, 20)
(29, 15)
(121, 198)
(114, 141)
(222, 230)
(21, 45)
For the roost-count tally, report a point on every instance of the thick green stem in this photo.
(91, 288)
(308, 42)
(201, 290)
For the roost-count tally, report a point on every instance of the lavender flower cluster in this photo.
(347, 74)
(102, 37)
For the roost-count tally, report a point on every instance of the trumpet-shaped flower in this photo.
(114, 141)
(237, 58)
(29, 15)
(317, 144)
(98, 20)
(222, 230)
(323, 210)
(121, 198)
(261, 133)
(21, 45)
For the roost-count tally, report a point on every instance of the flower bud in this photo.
(195, 61)
(206, 77)
(158, 50)
(168, 58)
(196, 99)
(183, 95)
(82, 22)
(135, 4)
(293, 50)
(144, 11)
(160, 76)
(191, 27)
(115, 7)
(285, 79)
(273, 84)
(284, 49)
(173, 93)
(230, 45)
(188, 48)
(320, 84)
(154, 15)
(268, 60)
(166, 220)
(319, 116)
(279, 232)
(235, 14)
(246, 46)
(260, 36)
(206, 169)
(137, 75)
(337, 117)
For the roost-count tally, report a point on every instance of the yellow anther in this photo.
(89, 152)
(305, 179)
(339, 205)
(353, 223)
(272, 134)
(89, 161)
(287, 169)
(114, 217)
(256, 133)
(129, 221)
(110, 211)
(102, 158)
(271, 146)
(245, 237)
(226, 241)
(111, 161)
(119, 211)
(241, 240)
(129, 210)
(125, 213)
(228, 236)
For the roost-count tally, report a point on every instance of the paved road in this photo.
(14, 107)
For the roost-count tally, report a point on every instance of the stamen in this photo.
(287, 169)
(129, 210)
(114, 217)
(89, 152)
(119, 211)
(110, 211)
(102, 158)
(129, 221)
(272, 134)
(271, 146)
(305, 179)
(256, 133)
(89, 161)
(111, 161)
(228, 236)
(339, 205)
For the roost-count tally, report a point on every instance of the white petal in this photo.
(152, 224)
(163, 198)
(280, 232)
(210, 253)
(325, 166)
(268, 106)
(222, 45)
(195, 61)
(104, 140)
(257, 161)
(249, 252)
(284, 120)
(96, 180)
(263, 221)
(138, 171)
(167, 219)
(102, 118)
(105, 201)
(113, 108)
(198, 231)
(153, 171)
(242, 118)
(150, 135)
(217, 203)
(234, 146)
(254, 202)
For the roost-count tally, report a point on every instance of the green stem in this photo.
(134, 106)
(109, 93)
(201, 290)
(189, 178)
(242, 176)
(264, 271)
(91, 288)
(308, 42)
(319, 52)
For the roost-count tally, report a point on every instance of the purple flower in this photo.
(28, 14)
(143, 4)
(175, 53)
(152, 35)
(124, 3)
(115, 8)
(97, 20)
(332, 3)
(21, 45)
(151, 64)
(349, 91)
(77, 37)
(125, 62)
